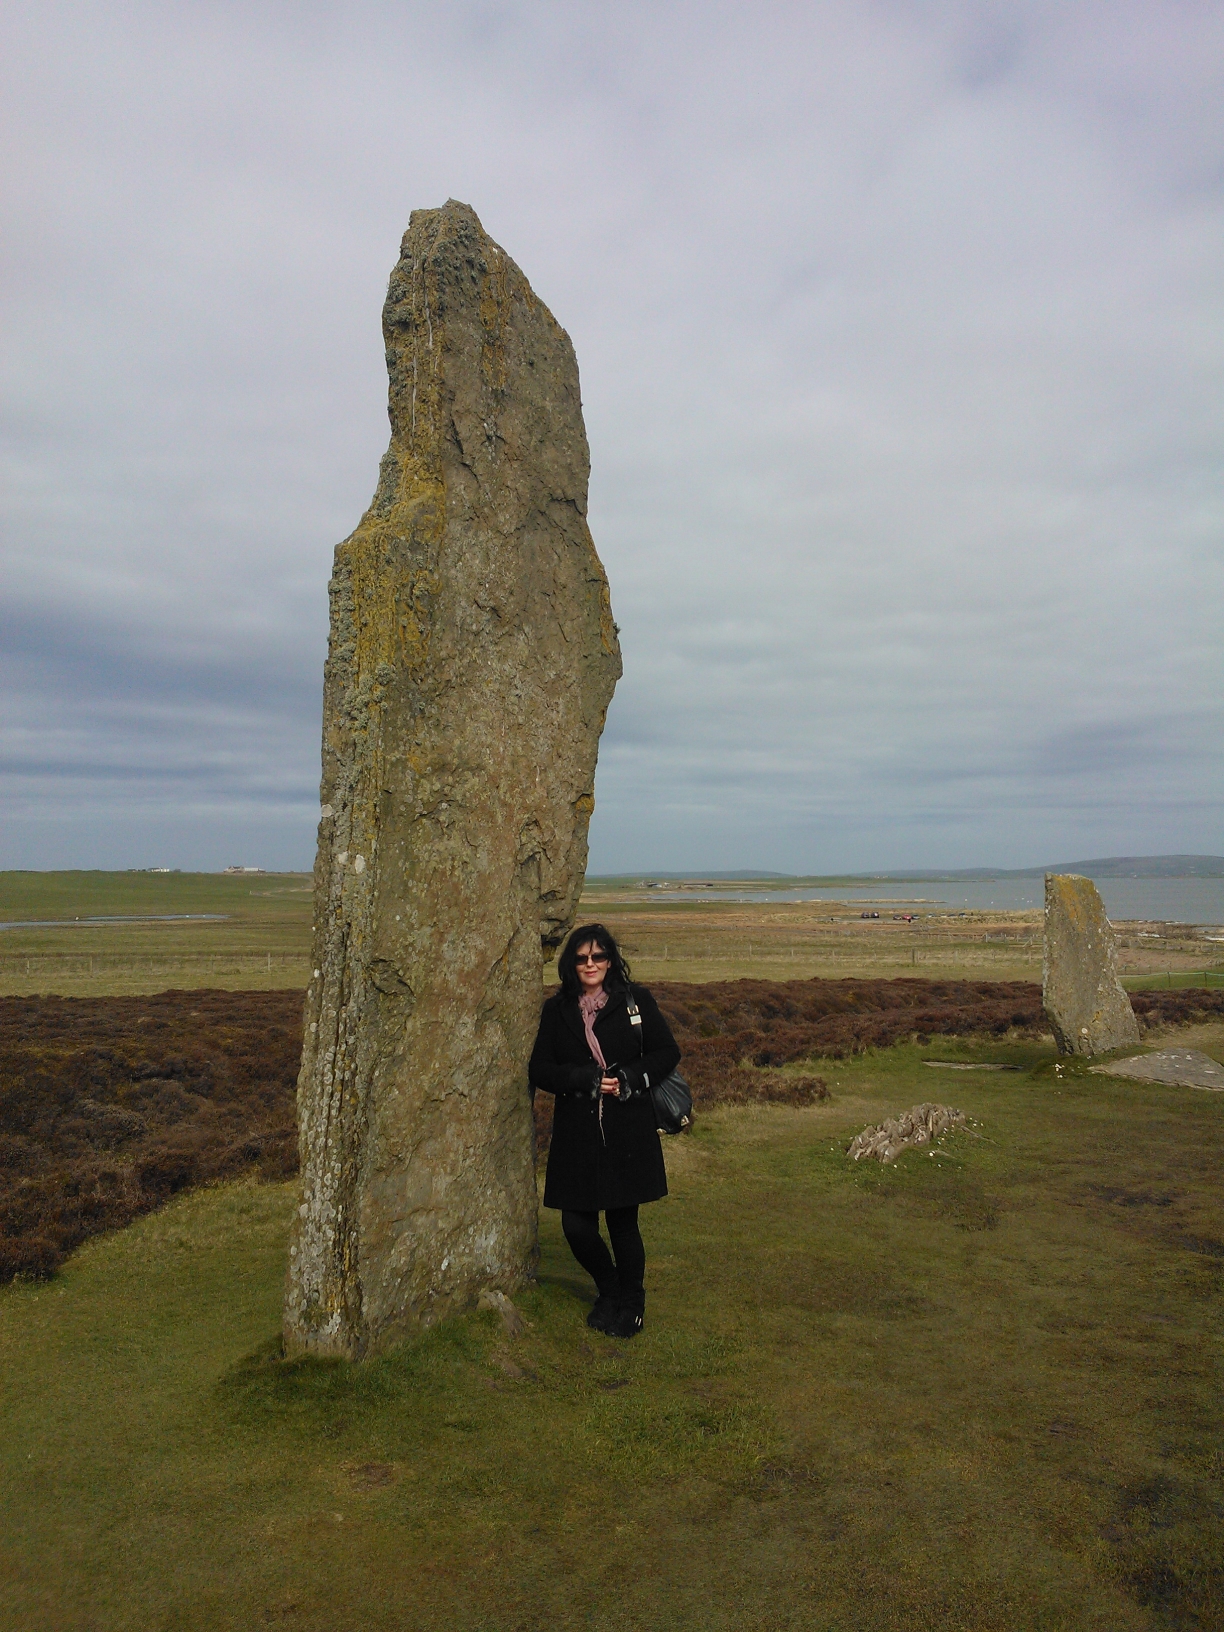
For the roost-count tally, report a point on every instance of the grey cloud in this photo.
(900, 339)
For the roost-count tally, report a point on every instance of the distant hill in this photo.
(1145, 867)
(749, 872)
(1099, 867)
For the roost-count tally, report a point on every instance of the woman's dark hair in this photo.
(617, 978)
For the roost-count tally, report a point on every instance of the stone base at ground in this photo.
(1183, 1066)
(1082, 995)
(920, 1126)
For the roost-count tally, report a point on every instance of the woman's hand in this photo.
(609, 1085)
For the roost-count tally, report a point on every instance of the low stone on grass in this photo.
(1185, 1067)
(919, 1126)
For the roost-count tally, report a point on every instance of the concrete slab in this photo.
(1175, 1065)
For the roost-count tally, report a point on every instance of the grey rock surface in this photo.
(920, 1126)
(965, 1065)
(1184, 1066)
(472, 658)
(1083, 997)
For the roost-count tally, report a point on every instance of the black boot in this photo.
(607, 1306)
(630, 1312)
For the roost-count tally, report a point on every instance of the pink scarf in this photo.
(590, 1004)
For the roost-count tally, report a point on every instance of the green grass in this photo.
(98, 894)
(978, 1390)
(262, 942)
(1177, 980)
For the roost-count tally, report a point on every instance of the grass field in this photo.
(976, 1391)
(258, 938)
(262, 939)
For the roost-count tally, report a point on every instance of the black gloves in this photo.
(630, 1078)
(582, 1079)
(585, 1079)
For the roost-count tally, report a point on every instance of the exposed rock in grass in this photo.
(919, 1126)
(372, 1475)
(1187, 1067)
(966, 1065)
(512, 1321)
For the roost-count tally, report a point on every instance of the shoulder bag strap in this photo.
(635, 1018)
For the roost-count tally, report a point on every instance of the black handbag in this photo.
(673, 1103)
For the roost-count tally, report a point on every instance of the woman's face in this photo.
(591, 975)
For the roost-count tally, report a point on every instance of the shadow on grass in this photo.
(1156, 1539)
(265, 1387)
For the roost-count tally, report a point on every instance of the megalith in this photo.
(471, 661)
(1083, 997)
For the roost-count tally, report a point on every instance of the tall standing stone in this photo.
(471, 662)
(1083, 997)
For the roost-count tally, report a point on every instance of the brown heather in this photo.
(110, 1105)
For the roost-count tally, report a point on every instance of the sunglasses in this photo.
(591, 957)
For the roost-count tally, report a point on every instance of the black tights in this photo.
(587, 1245)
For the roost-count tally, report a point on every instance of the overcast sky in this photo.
(903, 367)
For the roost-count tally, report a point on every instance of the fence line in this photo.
(97, 962)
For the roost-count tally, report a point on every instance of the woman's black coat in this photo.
(621, 1164)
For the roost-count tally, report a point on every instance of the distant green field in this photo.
(69, 895)
(264, 939)
(977, 1392)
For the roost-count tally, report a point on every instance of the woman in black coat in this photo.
(599, 1060)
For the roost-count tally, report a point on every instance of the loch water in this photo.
(1164, 900)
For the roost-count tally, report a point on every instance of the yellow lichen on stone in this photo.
(471, 662)
(1084, 1001)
